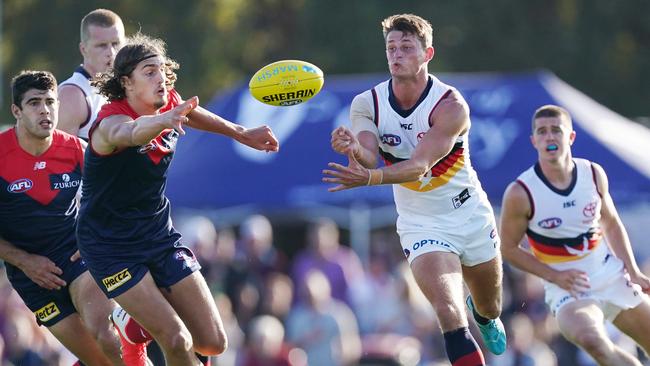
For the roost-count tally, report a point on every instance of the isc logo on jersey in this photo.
(20, 186)
(116, 280)
(47, 312)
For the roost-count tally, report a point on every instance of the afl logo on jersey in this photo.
(392, 140)
(20, 185)
(550, 223)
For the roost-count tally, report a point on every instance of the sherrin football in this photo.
(287, 82)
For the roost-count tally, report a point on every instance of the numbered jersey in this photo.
(37, 194)
(563, 230)
(450, 191)
(94, 101)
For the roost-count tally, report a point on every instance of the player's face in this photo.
(147, 83)
(552, 137)
(101, 47)
(405, 54)
(38, 112)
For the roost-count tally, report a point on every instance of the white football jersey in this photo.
(563, 230)
(81, 79)
(450, 191)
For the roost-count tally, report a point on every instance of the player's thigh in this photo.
(91, 303)
(438, 274)
(635, 323)
(146, 304)
(193, 302)
(74, 336)
(484, 281)
(581, 318)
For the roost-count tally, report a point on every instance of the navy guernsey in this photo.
(123, 196)
(37, 196)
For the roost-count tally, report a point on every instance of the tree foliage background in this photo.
(600, 46)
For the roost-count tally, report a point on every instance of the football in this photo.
(286, 83)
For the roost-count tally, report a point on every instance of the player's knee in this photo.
(592, 342)
(177, 342)
(108, 340)
(212, 347)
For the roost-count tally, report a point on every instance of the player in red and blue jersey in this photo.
(40, 175)
(125, 232)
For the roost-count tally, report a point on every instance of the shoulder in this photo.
(517, 199)
(6, 141)
(363, 101)
(451, 113)
(67, 141)
(452, 105)
(600, 177)
(116, 107)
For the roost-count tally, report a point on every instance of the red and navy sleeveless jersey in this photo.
(37, 194)
(123, 198)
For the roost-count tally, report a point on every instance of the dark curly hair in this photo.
(29, 79)
(138, 47)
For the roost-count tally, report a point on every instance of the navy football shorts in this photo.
(49, 306)
(117, 268)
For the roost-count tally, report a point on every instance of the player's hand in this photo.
(572, 280)
(260, 138)
(75, 256)
(43, 272)
(353, 175)
(175, 118)
(343, 141)
(642, 280)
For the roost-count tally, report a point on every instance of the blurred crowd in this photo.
(321, 305)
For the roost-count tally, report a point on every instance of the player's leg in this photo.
(94, 309)
(193, 302)
(484, 282)
(439, 276)
(74, 336)
(582, 323)
(145, 303)
(635, 323)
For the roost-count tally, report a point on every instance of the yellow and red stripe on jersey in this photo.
(559, 250)
(439, 175)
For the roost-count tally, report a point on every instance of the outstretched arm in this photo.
(260, 138)
(120, 131)
(515, 211)
(615, 232)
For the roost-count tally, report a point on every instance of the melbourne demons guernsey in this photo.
(37, 195)
(94, 101)
(123, 200)
(563, 230)
(447, 193)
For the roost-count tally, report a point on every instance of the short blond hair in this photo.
(101, 18)
(551, 111)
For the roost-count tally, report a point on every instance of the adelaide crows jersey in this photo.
(564, 230)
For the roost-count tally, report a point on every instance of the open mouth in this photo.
(46, 124)
(551, 147)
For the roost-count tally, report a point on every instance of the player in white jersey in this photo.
(102, 35)
(419, 125)
(579, 246)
